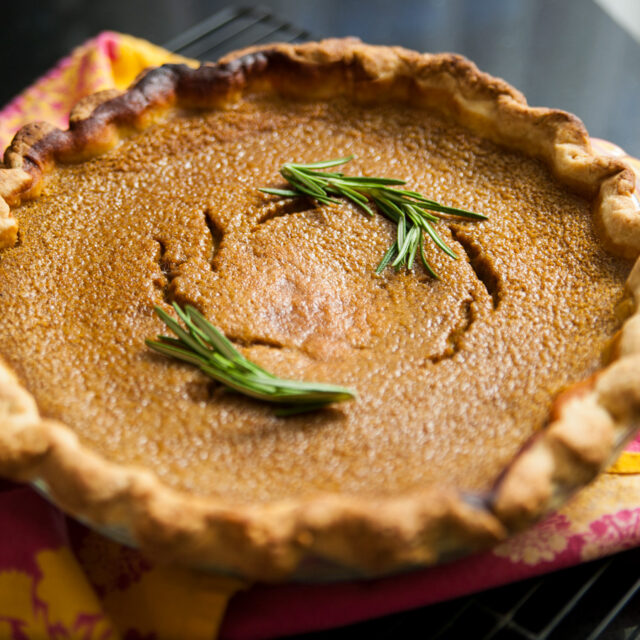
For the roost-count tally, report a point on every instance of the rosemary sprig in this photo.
(413, 214)
(199, 343)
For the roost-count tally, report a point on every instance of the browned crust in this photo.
(589, 424)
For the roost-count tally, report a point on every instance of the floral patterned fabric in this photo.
(61, 580)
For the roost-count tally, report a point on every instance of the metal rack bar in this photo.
(204, 28)
(615, 610)
(234, 28)
(572, 602)
(506, 620)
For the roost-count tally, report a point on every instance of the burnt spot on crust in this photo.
(197, 87)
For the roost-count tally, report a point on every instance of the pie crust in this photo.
(587, 428)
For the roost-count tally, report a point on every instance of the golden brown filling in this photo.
(452, 375)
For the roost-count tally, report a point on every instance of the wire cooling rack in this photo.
(234, 28)
(596, 601)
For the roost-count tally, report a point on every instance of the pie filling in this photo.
(453, 375)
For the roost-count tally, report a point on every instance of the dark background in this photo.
(560, 53)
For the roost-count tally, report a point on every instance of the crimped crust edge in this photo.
(589, 425)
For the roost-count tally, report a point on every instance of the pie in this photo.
(485, 397)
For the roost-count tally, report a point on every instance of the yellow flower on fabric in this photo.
(18, 613)
(71, 602)
(59, 604)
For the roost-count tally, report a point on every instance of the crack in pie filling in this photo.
(152, 197)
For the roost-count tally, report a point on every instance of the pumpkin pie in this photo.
(485, 397)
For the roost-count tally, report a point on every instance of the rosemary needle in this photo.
(413, 213)
(199, 343)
